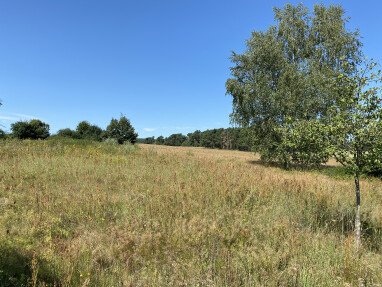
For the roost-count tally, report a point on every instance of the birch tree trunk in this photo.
(358, 213)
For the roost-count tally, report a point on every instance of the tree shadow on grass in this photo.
(16, 268)
(329, 170)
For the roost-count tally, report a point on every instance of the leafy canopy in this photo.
(355, 119)
(67, 133)
(85, 130)
(121, 130)
(283, 80)
(33, 129)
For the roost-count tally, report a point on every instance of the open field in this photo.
(91, 214)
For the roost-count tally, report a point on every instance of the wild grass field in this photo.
(77, 213)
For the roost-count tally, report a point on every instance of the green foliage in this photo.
(121, 130)
(240, 138)
(230, 138)
(34, 129)
(2, 134)
(211, 138)
(375, 171)
(194, 138)
(149, 140)
(175, 140)
(307, 142)
(283, 79)
(355, 126)
(68, 133)
(159, 140)
(355, 121)
(85, 130)
(303, 142)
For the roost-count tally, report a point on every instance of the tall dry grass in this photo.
(91, 214)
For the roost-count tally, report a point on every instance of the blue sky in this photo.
(163, 64)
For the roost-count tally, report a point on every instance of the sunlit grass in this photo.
(95, 214)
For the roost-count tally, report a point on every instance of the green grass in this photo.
(76, 213)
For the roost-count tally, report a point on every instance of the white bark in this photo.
(358, 214)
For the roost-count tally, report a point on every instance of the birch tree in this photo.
(283, 79)
(356, 127)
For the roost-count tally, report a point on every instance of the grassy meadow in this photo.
(77, 213)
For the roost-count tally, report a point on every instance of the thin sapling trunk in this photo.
(358, 213)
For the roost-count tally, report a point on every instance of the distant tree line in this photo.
(119, 130)
(229, 138)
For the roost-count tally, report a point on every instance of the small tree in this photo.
(83, 128)
(34, 129)
(356, 126)
(121, 130)
(87, 131)
(159, 140)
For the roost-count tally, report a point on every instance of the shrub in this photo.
(2, 134)
(121, 130)
(34, 129)
(304, 143)
(68, 133)
(87, 131)
(159, 140)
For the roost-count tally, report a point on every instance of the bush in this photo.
(121, 130)
(34, 129)
(2, 134)
(87, 131)
(159, 140)
(305, 143)
(68, 133)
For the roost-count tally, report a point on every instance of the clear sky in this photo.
(163, 64)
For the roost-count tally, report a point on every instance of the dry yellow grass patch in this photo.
(201, 152)
(101, 215)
